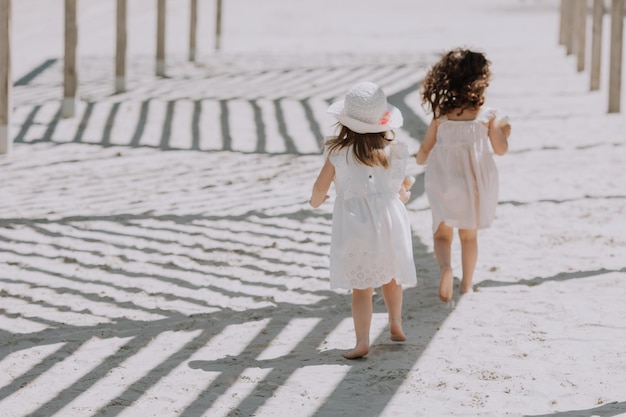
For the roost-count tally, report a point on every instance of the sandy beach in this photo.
(158, 257)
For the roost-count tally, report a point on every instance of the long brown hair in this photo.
(457, 81)
(368, 148)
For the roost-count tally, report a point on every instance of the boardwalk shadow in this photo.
(121, 288)
(251, 111)
(233, 272)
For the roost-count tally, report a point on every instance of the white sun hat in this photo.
(365, 110)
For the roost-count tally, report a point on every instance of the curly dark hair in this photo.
(368, 148)
(457, 82)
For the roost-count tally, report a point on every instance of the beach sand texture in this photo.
(158, 256)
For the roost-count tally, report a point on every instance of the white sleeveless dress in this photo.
(371, 240)
(461, 178)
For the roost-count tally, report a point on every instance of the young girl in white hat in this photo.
(371, 243)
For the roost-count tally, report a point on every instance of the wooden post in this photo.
(193, 24)
(596, 44)
(70, 76)
(160, 49)
(568, 25)
(615, 65)
(218, 24)
(5, 77)
(580, 33)
(120, 48)
(563, 23)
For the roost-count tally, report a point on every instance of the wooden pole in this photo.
(615, 65)
(581, 31)
(5, 77)
(120, 48)
(218, 24)
(596, 44)
(160, 51)
(568, 25)
(70, 76)
(193, 25)
(563, 23)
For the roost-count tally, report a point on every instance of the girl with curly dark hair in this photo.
(461, 179)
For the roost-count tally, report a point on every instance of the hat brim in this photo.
(394, 121)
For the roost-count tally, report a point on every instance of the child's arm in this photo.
(322, 184)
(405, 189)
(499, 132)
(427, 144)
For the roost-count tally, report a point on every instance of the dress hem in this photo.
(457, 226)
(404, 285)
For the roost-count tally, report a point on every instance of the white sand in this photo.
(141, 282)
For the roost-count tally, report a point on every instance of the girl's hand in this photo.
(501, 123)
(504, 125)
(499, 131)
(408, 182)
(405, 193)
(316, 204)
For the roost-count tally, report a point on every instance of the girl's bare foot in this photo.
(357, 352)
(466, 287)
(396, 334)
(446, 286)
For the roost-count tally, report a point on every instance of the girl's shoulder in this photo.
(336, 153)
(331, 146)
(441, 119)
(487, 113)
(398, 149)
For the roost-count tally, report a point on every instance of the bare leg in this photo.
(443, 243)
(469, 255)
(362, 316)
(392, 294)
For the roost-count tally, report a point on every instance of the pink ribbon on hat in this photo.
(385, 119)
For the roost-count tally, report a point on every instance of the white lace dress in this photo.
(371, 235)
(461, 178)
